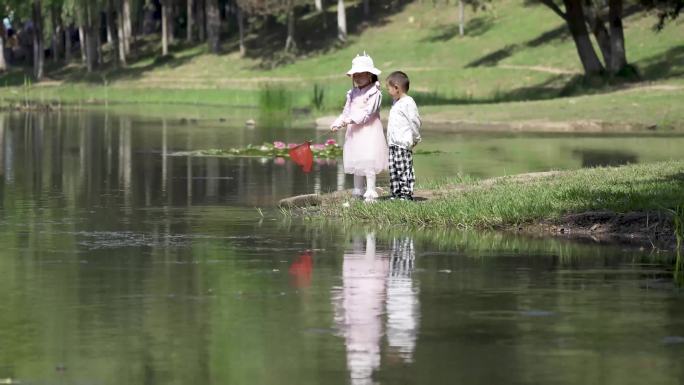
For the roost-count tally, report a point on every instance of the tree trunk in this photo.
(170, 18)
(165, 27)
(201, 20)
(120, 32)
(599, 30)
(190, 26)
(213, 26)
(38, 50)
(617, 37)
(98, 39)
(290, 44)
(241, 30)
(3, 62)
(341, 21)
(127, 27)
(578, 28)
(57, 32)
(54, 44)
(149, 22)
(67, 44)
(109, 24)
(91, 42)
(366, 8)
(115, 35)
(461, 18)
(319, 5)
(82, 43)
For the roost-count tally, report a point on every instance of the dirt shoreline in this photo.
(649, 229)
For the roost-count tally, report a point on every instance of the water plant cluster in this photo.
(327, 150)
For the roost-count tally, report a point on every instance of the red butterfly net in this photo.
(303, 156)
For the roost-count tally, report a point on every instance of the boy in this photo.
(402, 136)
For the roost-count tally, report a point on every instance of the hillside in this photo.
(511, 52)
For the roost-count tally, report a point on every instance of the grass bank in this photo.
(652, 106)
(510, 202)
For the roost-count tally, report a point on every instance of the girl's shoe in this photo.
(357, 194)
(370, 196)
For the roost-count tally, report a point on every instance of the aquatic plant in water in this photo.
(278, 149)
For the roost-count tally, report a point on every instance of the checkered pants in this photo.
(402, 176)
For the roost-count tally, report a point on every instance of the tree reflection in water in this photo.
(374, 283)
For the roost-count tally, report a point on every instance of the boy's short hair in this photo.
(399, 79)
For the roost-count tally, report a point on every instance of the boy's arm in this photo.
(414, 122)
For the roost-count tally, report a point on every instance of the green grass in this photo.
(657, 106)
(653, 186)
(512, 53)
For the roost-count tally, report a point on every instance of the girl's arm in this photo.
(363, 115)
(340, 121)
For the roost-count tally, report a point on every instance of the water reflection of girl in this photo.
(372, 284)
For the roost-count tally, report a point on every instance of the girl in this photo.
(365, 146)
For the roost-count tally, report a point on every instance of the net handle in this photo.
(318, 137)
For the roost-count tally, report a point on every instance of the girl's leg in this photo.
(357, 192)
(370, 194)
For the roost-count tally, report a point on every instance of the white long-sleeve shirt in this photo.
(404, 123)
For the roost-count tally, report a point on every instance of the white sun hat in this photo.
(363, 63)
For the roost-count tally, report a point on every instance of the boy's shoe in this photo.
(406, 198)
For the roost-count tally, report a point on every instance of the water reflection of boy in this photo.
(402, 299)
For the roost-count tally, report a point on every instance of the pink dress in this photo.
(365, 146)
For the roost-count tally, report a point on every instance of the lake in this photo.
(124, 264)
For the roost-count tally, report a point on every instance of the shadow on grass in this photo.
(145, 50)
(549, 89)
(492, 59)
(649, 194)
(559, 33)
(15, 77)
(316, 33)
(664, 65)
(473, 28)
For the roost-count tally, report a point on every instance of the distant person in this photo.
(365, 147)
(402, 136)
(7, 25)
